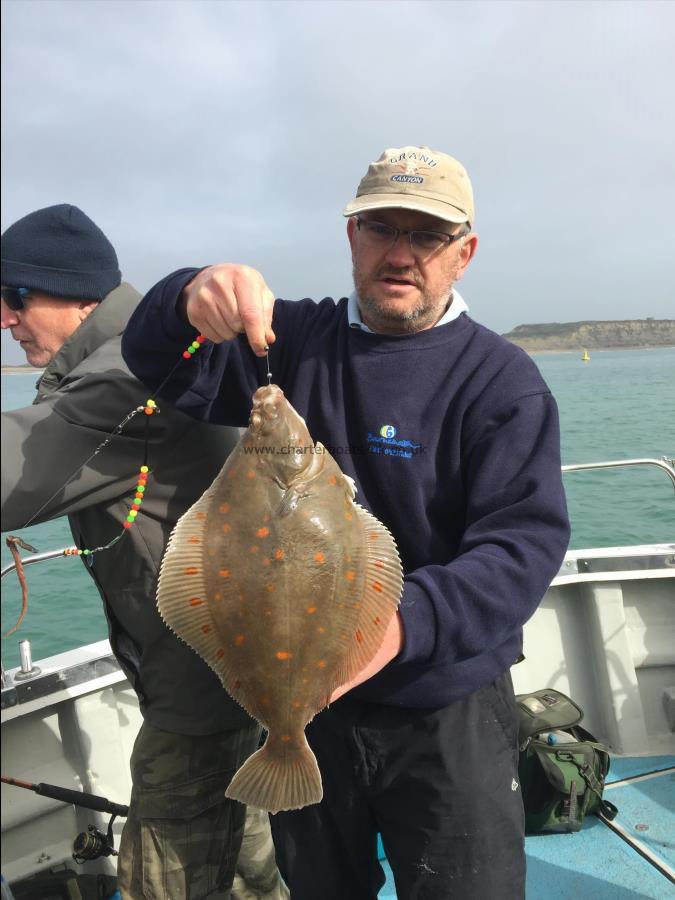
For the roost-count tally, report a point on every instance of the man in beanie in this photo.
(422, 745)
(64, 300)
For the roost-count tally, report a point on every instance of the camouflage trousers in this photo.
(182, 837)
(257, 875)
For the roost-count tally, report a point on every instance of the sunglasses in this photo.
(14, 297)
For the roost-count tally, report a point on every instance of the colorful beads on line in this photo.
(150, 407)
(194, 346)
(74, 551)
(138, 497)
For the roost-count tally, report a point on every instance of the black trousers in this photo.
(441, 786)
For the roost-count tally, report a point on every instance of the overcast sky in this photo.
(196, 132)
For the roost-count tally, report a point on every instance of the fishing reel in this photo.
(93, 844)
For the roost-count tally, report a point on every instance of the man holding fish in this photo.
(451, 438)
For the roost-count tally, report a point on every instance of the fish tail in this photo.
(278, 776)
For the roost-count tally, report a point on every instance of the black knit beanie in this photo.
(61, 252)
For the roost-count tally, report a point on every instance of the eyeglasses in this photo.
(422, 243)
(14, 297)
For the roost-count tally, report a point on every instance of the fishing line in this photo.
(149, 408)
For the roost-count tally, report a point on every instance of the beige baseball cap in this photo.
(416, 178)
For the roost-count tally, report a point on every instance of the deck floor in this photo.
(598, 861)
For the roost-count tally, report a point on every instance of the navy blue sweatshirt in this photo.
(451, 436)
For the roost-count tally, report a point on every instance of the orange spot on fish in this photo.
(319, 558)
(321, 629)
(350, 575)
(266, 561)
(200, 515)
(379, 564)
(224, 507)
(207, 628)
(377, 587)
(217, 596)
(358, 635)
(196, 601)
(321, 664)
(236, 684)
(192, 570)
(285, 738)
(373, 535)
(311, 609)
(226, 528)
(250, 474)
(278, 554)
(348, 517)
(220, 654)
(224, 573)
(262, 532)
(194, 540)
(332, 480)
(270, 588)
(377, 620)
(296, 704)
(264, 700)
(239, 640)
(254, 549)
(283, 654)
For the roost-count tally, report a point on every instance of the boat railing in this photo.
(38, 557)
(665, 464)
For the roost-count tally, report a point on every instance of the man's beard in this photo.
(390, 318)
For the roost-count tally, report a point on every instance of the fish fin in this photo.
(289, 502)
(278, 776)
(379, 598)
(351, 486)
(182, 583)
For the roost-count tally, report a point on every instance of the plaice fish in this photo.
(285, 586)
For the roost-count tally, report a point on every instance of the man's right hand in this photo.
(226, 300)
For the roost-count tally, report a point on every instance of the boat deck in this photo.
(632, 857)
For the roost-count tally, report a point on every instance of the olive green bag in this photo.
(562, 768)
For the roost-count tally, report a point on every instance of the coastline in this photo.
(28, 370)
(592, 350)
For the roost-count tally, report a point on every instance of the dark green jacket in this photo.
(86, 391)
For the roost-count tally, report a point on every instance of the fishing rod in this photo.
(78, 798)
(91, 844)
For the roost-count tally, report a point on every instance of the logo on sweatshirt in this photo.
(385, 443)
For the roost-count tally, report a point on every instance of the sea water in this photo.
(617, 406)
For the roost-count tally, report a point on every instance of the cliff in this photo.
(599, 335)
